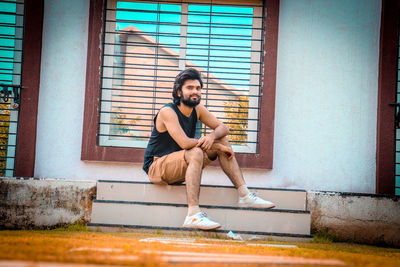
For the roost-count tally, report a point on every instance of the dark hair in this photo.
(188, 74)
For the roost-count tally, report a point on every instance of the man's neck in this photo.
(186, 110)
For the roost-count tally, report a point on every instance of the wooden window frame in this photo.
(387, 85)
(91, 151)
(27, 122)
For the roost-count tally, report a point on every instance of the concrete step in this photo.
(271, 222)
(289, 199)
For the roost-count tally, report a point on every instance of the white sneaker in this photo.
(253, 201)
(200, 221)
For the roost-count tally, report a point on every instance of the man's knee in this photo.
(224, 141)
(195, 154)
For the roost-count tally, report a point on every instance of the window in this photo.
(11, 46)
(145, 44)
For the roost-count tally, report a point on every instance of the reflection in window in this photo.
(146, 45)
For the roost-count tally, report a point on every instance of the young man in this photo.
(173, 155)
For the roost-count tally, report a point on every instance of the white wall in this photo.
(326, 98)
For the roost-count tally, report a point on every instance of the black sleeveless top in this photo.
(161, 144)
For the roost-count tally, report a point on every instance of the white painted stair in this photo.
(141, 205)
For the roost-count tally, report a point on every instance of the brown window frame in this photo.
(387, 85)
(27, 122)
(91, 151)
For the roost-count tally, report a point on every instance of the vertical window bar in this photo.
(204, 129)
(156, 50)
(261, 72)
(183, 35)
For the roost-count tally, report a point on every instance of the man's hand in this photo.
(205, 142)
(228, 152)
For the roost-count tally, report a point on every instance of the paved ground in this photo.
(46, 264)
(66, 248)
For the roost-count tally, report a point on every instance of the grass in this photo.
(61, 244)
(323, 237)
(75, 227)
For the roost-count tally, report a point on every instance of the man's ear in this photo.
(178, 92)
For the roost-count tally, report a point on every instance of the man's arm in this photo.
(168, 120)
(219, 129)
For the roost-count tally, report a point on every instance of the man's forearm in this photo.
(189, 143)
(220, 132)
(216, 146)
(227, 150)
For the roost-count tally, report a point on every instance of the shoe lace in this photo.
(203, 215)
(253, 195)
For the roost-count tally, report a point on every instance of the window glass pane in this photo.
(147, 44)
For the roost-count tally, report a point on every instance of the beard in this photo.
(189, 102)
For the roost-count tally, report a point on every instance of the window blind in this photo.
(147, 43)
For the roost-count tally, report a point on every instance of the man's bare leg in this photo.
(195, 218)
(194, 159)
(229, 166)
(232, 170)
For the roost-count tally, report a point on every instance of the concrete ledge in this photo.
(32, 203)
(352, 217)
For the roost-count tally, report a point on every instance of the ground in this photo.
(76, 245)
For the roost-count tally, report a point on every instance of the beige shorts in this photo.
(171, 168)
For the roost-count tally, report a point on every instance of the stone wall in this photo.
(361, 218)
(31, 203)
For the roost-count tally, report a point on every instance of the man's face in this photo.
(191, 93)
